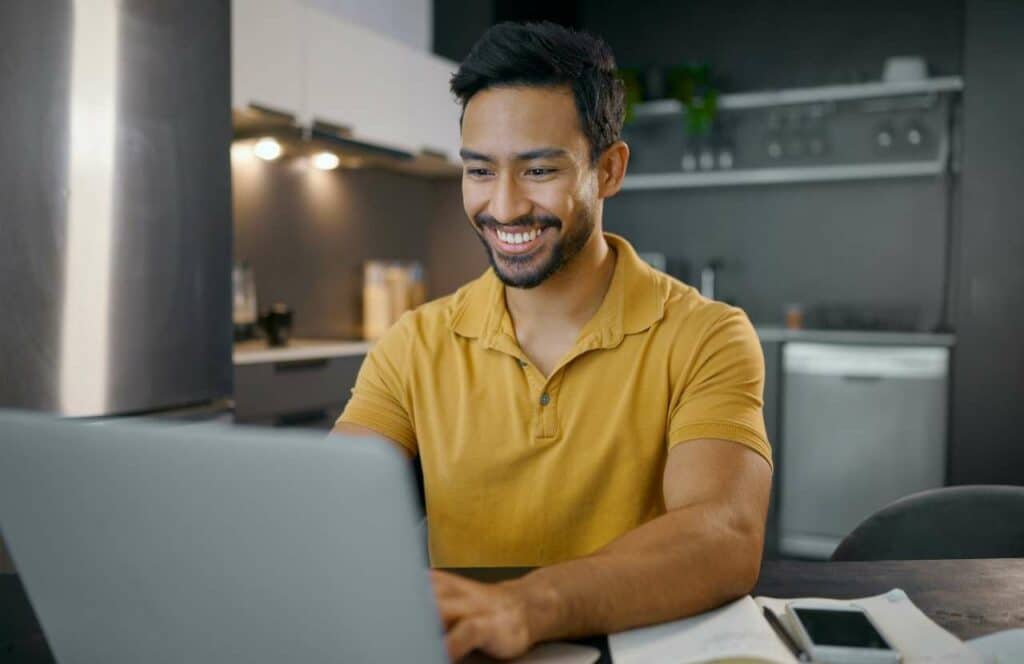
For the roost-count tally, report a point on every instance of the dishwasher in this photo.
(861, 427)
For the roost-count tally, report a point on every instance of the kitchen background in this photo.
(909, 251)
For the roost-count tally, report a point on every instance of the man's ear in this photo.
(611, 169)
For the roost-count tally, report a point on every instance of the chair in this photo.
(979, 521)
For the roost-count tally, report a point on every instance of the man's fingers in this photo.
(451, 609)
(463, 638)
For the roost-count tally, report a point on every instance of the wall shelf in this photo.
(820, 94)
(766, 176)
(793, 174)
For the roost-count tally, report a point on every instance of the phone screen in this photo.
(848, 629)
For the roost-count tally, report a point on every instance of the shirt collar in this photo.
(635, 300)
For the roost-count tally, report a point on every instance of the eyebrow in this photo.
(540, 153)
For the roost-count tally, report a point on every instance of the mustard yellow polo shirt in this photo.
(525, 469)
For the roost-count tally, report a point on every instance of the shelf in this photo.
(257, 352)
(764, 176)
(827, 93)
(791, 174)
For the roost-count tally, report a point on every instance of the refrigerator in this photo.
(115, 207)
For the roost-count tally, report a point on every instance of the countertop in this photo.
(772, 333)
(257, 350)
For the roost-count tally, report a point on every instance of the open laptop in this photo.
(159, 543)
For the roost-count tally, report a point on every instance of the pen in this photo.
(776, 624)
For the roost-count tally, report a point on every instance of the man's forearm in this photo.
(682, 563)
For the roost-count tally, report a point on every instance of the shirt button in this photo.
(522, 363)
(545, 399)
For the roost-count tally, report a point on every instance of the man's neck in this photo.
(571, 296)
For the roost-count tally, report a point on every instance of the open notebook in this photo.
(738, 631)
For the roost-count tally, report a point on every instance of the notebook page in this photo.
(734, 631)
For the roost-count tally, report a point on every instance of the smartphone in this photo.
(840, 635)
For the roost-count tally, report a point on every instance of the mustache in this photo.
(485, 221)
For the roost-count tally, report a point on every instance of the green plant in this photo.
(634, 91)
(693, 87)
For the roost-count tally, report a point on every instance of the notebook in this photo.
(738, 631)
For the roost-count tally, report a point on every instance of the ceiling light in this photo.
(267, 149)
(326, 161)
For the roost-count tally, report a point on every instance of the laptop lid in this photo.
(148, 542)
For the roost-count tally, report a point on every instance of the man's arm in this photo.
(705, 551)
(346, 428)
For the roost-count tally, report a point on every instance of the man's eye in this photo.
(539, 172)
(478, 172)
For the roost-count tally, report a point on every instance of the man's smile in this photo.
(517, 240)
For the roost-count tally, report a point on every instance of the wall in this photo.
(307, 233)
(881, 243)
(988, 367)
(875, 243)
(755, 45)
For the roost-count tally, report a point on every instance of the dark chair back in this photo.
(981, 521)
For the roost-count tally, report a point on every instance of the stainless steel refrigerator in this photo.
(115, 205)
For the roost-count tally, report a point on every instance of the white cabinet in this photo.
(356, 79)
(300, 59)
(433, 110)
(267, 54)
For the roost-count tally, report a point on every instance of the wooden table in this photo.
(970, 598)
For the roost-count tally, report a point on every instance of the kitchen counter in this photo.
(257, 351)
(769, 333)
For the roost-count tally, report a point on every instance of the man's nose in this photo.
(507, 200)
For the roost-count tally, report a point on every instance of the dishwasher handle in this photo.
(865, 361)
(859, 378)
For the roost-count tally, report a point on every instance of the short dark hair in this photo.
(549, 55)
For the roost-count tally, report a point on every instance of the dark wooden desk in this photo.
(970, 598)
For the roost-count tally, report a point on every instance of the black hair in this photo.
(549, 55)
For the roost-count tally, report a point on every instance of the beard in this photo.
(534, 268)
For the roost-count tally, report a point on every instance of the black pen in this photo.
(776, 624)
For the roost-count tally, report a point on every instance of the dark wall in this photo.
(881, 243)
(754, 44)
(988, 369)
(307, 233)
(751, 44)
(458, 24)
(864, 243)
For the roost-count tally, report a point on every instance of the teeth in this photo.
(518, 238)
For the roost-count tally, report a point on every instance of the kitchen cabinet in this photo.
(296, 389)
(267, 54)
(317, 66)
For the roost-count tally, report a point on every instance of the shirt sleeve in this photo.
(720, 394)
(380, 399)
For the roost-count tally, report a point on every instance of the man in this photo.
(572, 409)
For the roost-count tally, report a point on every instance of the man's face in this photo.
(528, 186)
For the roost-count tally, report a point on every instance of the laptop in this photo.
(147, 542)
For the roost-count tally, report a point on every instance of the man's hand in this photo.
(488, 617)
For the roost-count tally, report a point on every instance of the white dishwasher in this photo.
(861, 427)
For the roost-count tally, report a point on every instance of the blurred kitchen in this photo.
(846, 172)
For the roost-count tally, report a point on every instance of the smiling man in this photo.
(573, 409)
